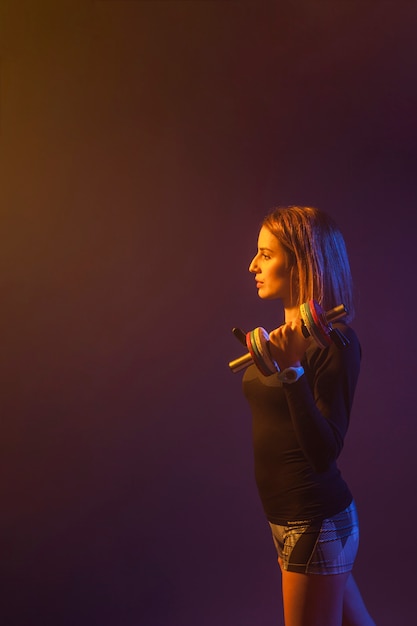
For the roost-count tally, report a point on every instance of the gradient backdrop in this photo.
(141, 144)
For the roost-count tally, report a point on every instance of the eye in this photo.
(265, 256)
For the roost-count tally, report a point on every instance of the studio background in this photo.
(141, 144)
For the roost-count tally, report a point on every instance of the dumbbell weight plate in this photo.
(258, 358)
(309, 323)
(321, 328)
(251, 346)
(262, 342)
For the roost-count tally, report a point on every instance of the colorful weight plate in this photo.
(262, 342)
(259, 360)
(321, 328)
(249, 345)
(310, 324)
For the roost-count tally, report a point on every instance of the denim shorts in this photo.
(324, 547)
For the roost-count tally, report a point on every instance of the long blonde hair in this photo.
(317, 255)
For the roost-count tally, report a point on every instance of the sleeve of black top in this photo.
(320, 403)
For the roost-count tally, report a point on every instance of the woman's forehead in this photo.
(268, 240)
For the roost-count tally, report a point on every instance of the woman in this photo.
(299, 426)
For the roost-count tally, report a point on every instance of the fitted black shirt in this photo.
(298, 433)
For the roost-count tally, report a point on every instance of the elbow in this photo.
(323, 462)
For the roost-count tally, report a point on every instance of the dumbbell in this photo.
(315, 323)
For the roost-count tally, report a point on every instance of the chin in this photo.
(267, 296)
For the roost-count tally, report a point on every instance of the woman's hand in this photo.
(287, 344)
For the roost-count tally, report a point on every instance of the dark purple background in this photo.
(141, 144)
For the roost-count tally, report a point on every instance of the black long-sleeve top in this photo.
(299, 430)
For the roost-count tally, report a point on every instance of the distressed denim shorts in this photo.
(324, 547)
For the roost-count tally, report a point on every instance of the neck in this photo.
(291, 313)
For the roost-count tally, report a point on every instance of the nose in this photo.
(253, 266)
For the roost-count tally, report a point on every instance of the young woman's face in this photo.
(270, 267)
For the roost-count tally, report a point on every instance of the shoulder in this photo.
(335, 356)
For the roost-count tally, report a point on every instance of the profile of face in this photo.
(270, 266)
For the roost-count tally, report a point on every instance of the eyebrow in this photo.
(265, 250)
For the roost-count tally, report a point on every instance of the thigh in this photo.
(313, 599)
(354, 609)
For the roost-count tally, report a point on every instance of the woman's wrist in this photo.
(283, 365)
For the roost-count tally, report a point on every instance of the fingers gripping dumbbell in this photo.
(316, 323)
